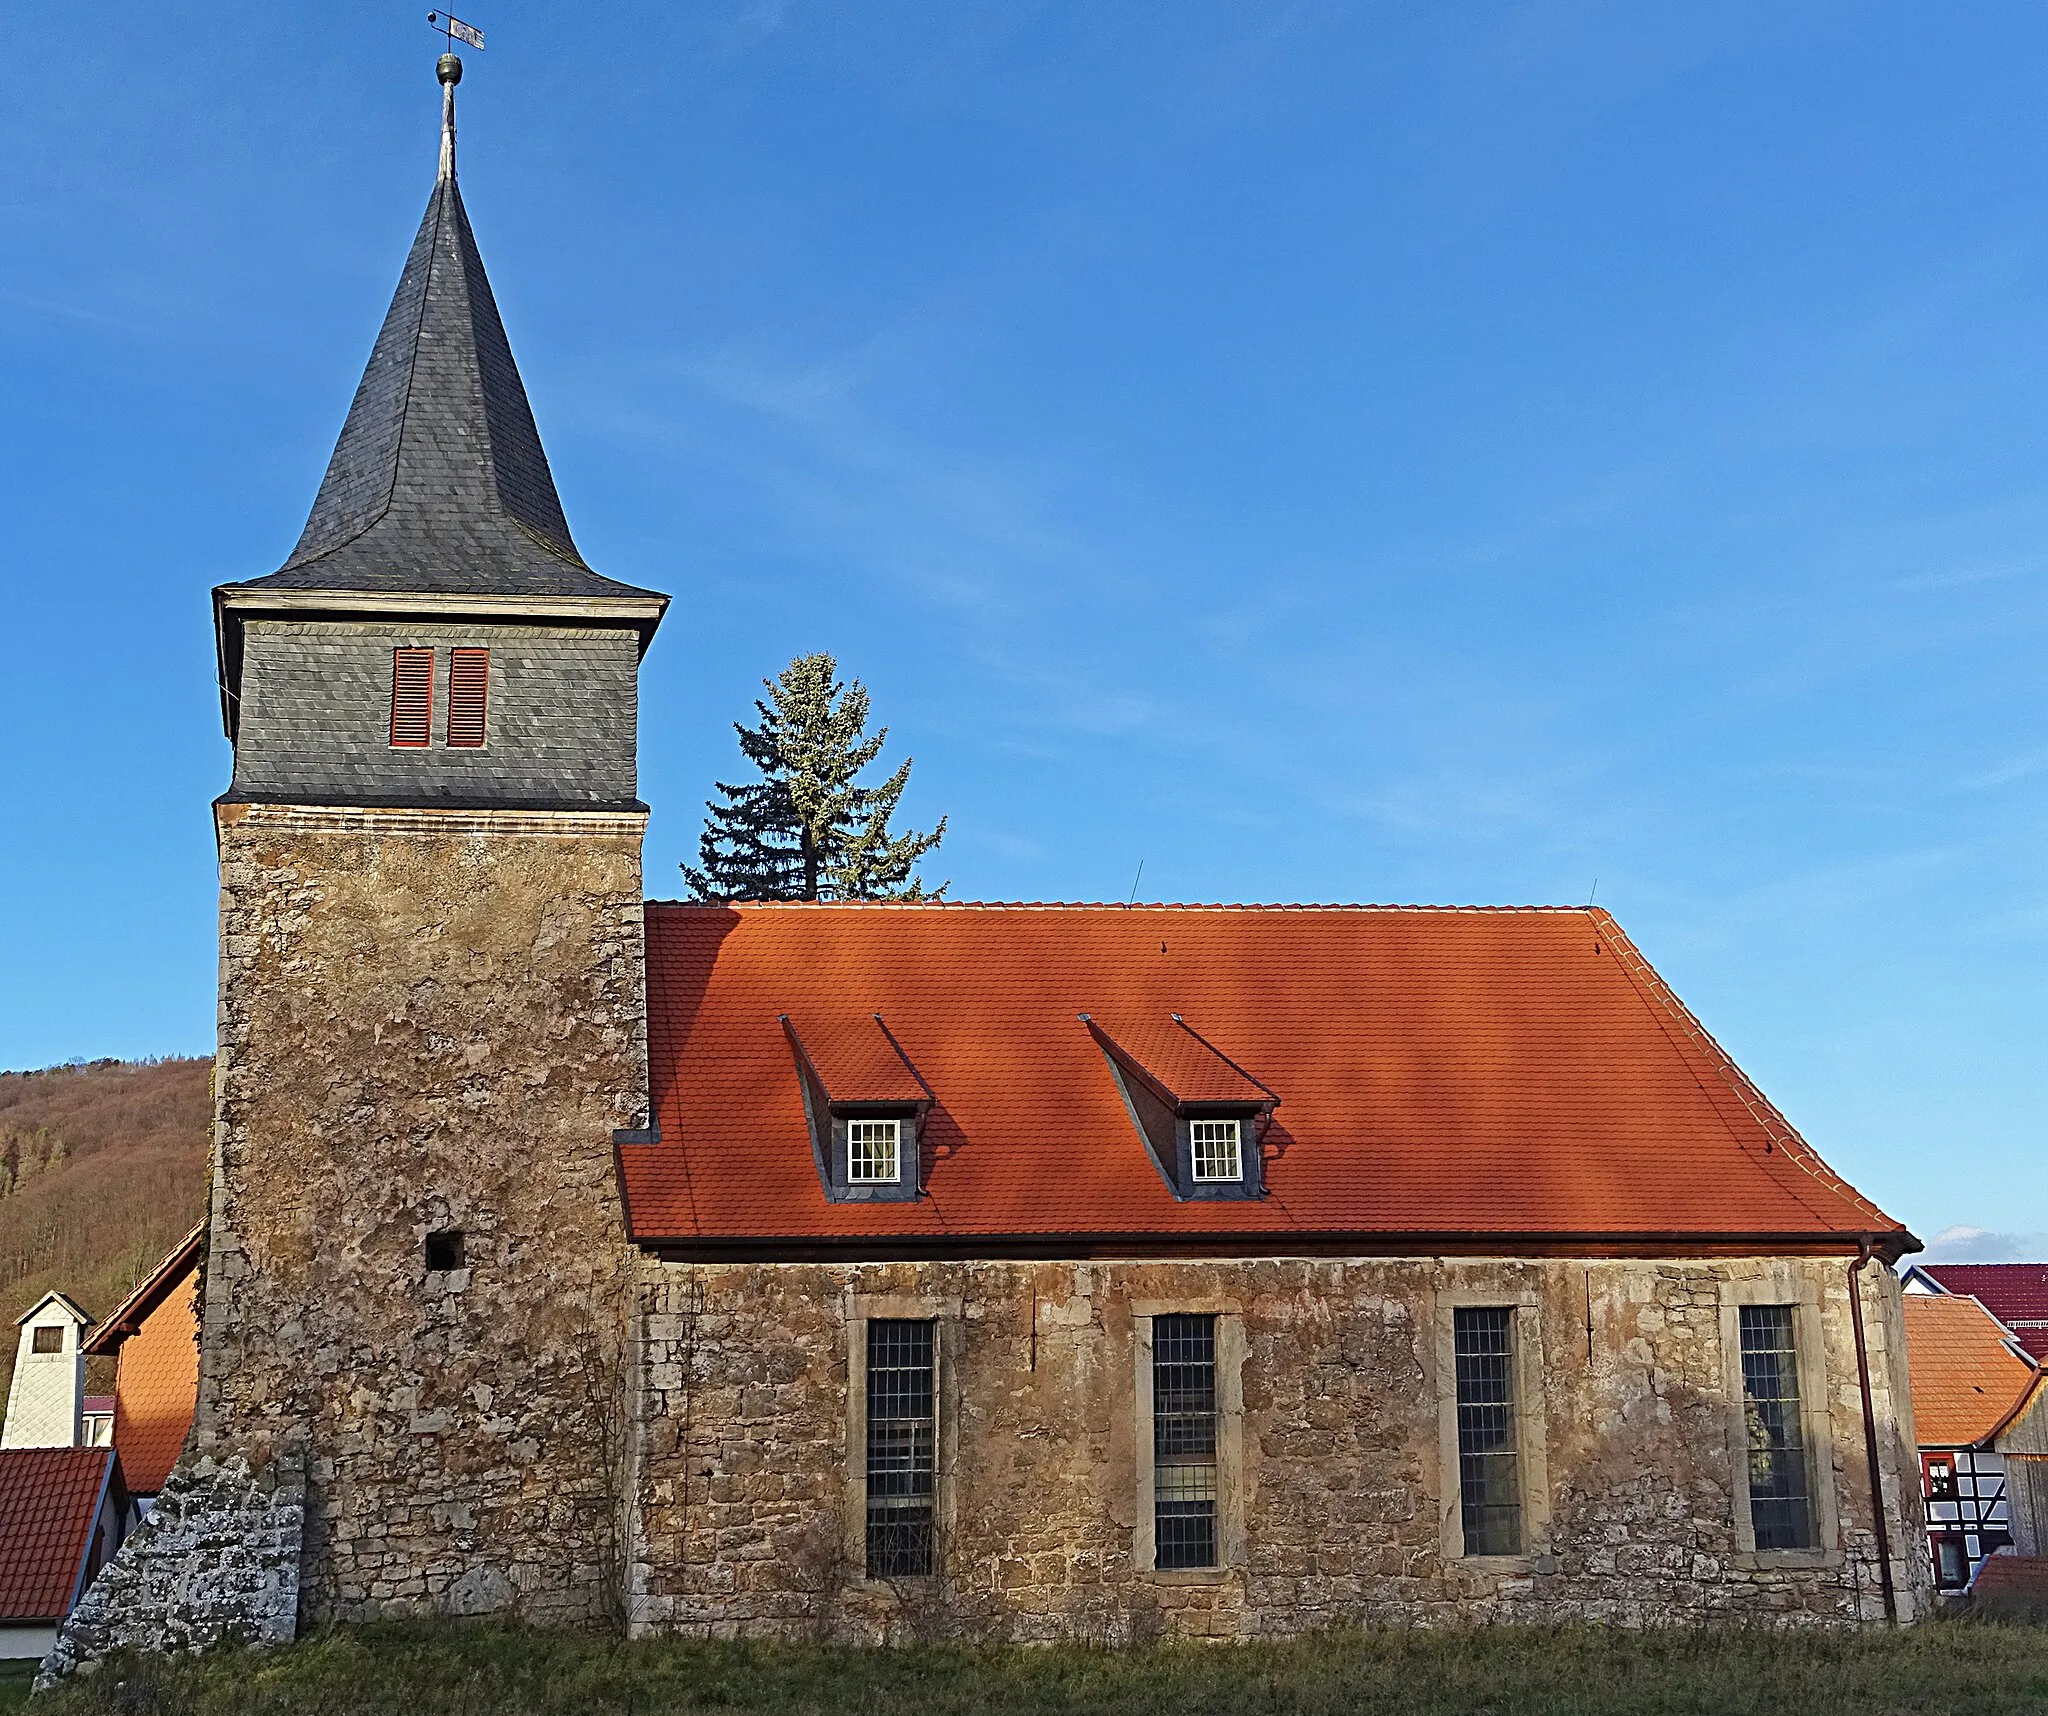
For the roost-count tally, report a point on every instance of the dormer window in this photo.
(1201, 1116)
(874, 1152)
(1216, 1150)
(865, 1109)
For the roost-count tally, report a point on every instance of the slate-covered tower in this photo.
(431, 1014)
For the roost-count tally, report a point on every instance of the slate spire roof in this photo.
(438, 484)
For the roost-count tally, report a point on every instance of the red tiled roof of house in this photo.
(49, 1499)
(1966, 1378)
(2015, 1293)
(1439, 1072)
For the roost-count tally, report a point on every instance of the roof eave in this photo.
(1218, 1243)
(233, 603)
(127, 1317)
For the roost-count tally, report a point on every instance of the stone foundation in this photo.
(216, 1562)
(749, 1502)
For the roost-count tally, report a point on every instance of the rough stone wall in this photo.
(429, 1021)
(743, 1477)
(216, 1562)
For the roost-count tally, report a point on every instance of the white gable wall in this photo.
(45, 1407)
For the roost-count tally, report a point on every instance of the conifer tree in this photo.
(807, 830)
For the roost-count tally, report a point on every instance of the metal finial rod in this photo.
(450, 73)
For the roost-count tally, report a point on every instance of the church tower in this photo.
(432, 1014)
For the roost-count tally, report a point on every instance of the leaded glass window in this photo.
(1184, 1440)
(901, 1448)
(1779, 1510)
(1489, 1479)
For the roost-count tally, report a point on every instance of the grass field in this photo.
(443, 1670)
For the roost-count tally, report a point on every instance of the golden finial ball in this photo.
(450, 69)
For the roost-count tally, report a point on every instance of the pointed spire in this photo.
(439, 483)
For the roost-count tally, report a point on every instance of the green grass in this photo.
(14, 1684)
(447, 1670)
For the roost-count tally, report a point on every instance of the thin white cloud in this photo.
(1963, 1243)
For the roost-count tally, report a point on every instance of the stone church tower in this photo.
(432, 1015)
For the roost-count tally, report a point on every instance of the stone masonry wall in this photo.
(429, 1021)
(742, 1468)
(216, 1562)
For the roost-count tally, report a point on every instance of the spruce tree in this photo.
(807, 830)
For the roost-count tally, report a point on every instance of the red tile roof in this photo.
(1966, 1378)
(2015, 1293)
(1485, 1073)
(49, 1501)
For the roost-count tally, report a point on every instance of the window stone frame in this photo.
(1230, 1465)
(1783, 1284)
(1532, 1441)
(945, 1314)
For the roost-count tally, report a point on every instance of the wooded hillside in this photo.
(102, 1171)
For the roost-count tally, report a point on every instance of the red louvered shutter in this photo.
(469, 678)
(412, 698)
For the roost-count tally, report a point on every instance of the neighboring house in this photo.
(153, 1335)
(2023, 1441)
(61, 1517)
(46, 1400)
(992, 1271)
(2015, 1293)
(1968, 1375)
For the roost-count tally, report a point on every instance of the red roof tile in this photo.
(1966, 1378)
(855, 1059)
(2015, 1293)
(1438, 1072)
(49, 1499)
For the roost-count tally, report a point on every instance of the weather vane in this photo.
(456, 30)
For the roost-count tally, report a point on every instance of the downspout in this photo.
(1884, 1544)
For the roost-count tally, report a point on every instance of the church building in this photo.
(874, 1271)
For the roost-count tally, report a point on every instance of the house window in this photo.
(1941, 1476)
(1774, 1432)
(444, 1250)
(1184, 1440)
(48, 1340)
(901, 1448)
(1216, 1149)
(1951, 1562)
(1489, 1477)
(873, 1152)
(412, 699)
(469, 677)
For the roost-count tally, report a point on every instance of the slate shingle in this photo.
(439, 484)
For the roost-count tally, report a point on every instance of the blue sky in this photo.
(1323, 451)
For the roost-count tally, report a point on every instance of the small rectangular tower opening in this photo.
(444, 1249)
